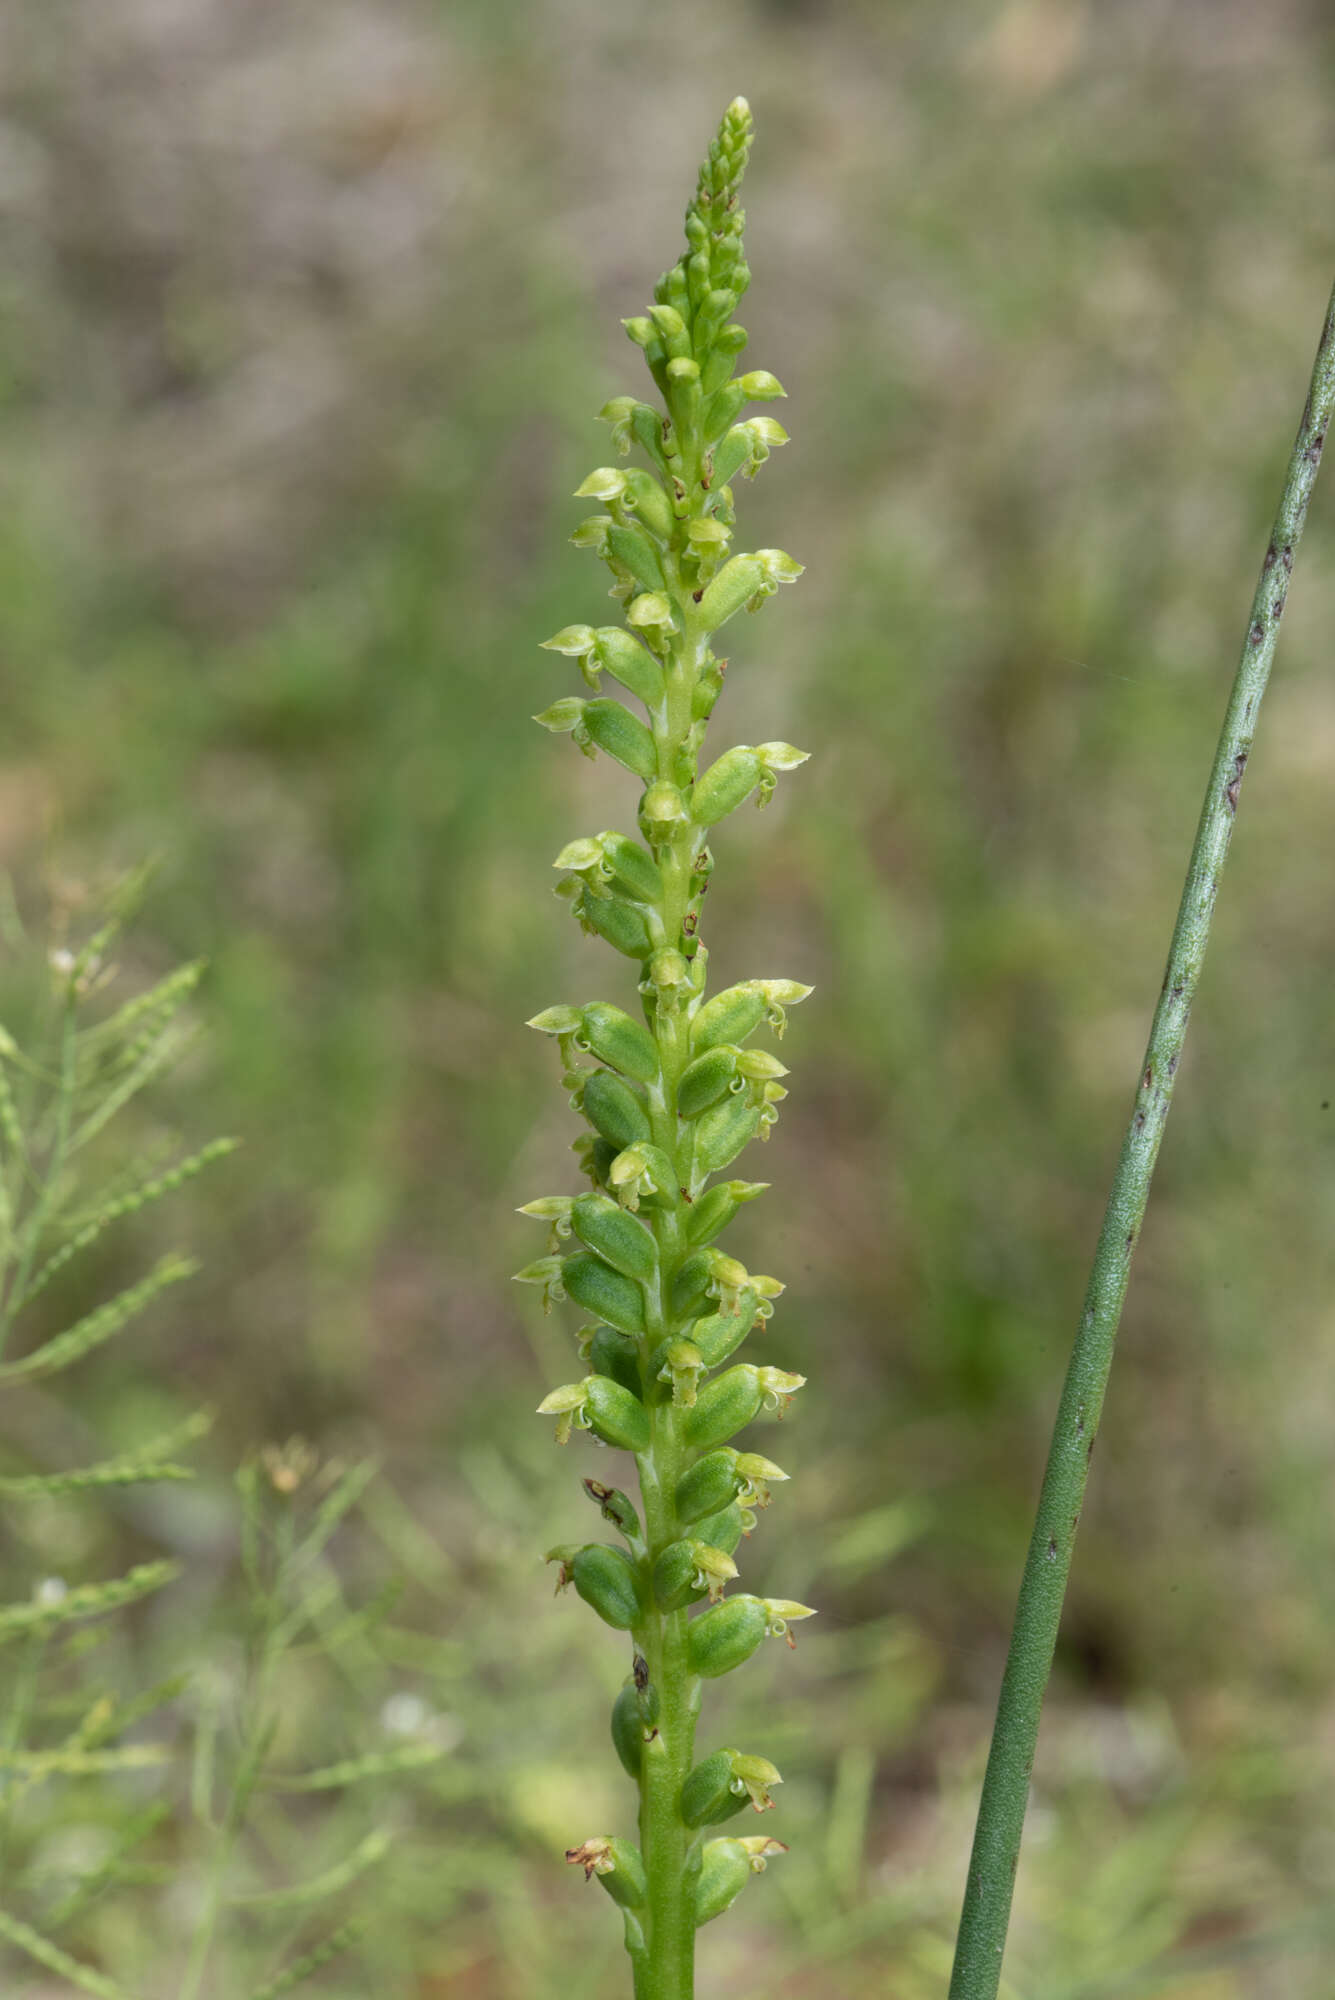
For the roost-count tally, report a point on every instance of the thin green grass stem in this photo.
(996, 1848)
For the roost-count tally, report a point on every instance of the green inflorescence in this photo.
(671, 1095)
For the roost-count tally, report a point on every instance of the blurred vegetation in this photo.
(306, 313)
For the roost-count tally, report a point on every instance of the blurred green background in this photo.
(306, 315)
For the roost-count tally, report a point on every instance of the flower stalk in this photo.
(670, 1097)
(996, 1848)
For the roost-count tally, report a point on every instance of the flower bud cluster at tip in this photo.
(672, 1095)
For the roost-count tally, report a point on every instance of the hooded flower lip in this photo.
(714, 1570)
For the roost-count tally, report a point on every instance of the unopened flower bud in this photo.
(668, 321)
(723, 1407)
(725, 1636)
(616, 1355)
(708, 1486)
(614, 729)
(649, 427)
(721, 410)
(624, 1044)
(625, 658)
(609, 1582)
(722, 1132)
(593, 1284)
(628, 1730)
(716, 1208)
(614, 1110)
(642, 331)
(727, 784)
(633, 550)
(722, 1784)
(668, 971)
(645, 494)
(661, 809)
(618, 1238)
(705, 1080)
(677, 1577)
(734, 586)
(616, 1416)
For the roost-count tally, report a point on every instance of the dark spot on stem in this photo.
(1140, 1121)
(1234, 785)
(696, 595)
(1178, 990)
(1172, 1065)
(1278, 606)
(1148, 1077)
(1130, 1239)
(1271, 557)
(1052, 1548)
(1288, 556)
(1314, 449)
(1257, 633)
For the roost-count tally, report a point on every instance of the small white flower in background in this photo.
(51, 1590)
(406, 1714)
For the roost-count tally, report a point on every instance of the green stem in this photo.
(256, 1737)
(666, 1969)
(996, 1847)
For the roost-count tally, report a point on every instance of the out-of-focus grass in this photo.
(309, 325)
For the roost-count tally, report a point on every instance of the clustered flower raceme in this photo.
(671, 1099)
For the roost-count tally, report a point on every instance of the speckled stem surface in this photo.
(996, 1848)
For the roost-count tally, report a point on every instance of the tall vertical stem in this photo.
(996, 1847)
(668, 1970)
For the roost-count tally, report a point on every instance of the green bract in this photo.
(670, 1094)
